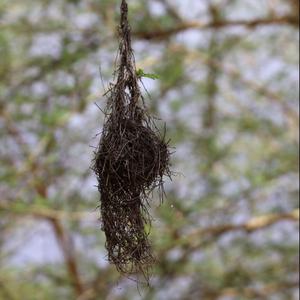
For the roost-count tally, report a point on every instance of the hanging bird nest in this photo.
(130, 161)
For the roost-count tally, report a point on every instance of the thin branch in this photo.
(262, 293)
(252, 24)
(251, 225)
(45, 213)
(64, 239)
(201, 237)
(65, 242)
(254, 224)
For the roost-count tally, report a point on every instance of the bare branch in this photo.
(256, 223)
(65, 242)
(45, 213)
(262, 293)
(220, 24)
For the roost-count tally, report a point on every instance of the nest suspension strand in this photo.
(130, 161)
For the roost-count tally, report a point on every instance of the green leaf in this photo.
(140, 73)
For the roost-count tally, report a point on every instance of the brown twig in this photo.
(65, 242)
(262, 293)
(201, 237)
(44, 213)
(254, 224)
(160, 34)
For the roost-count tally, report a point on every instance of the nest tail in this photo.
(130, 161)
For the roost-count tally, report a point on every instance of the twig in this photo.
(263, 292)
(252, 24)
(254, 224)
(65, 242)
(44, 213)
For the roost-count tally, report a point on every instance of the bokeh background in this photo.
(228, 91)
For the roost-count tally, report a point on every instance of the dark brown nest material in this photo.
(130, 161)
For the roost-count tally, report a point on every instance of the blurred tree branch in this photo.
(66, 245)
(220, 24)
(258, 293)
(254, 224)
(22, 210)
(200, 237)
(251, 225)
(246, 292)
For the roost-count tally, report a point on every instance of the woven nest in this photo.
(130, 161)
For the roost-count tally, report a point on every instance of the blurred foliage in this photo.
(228, 90)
